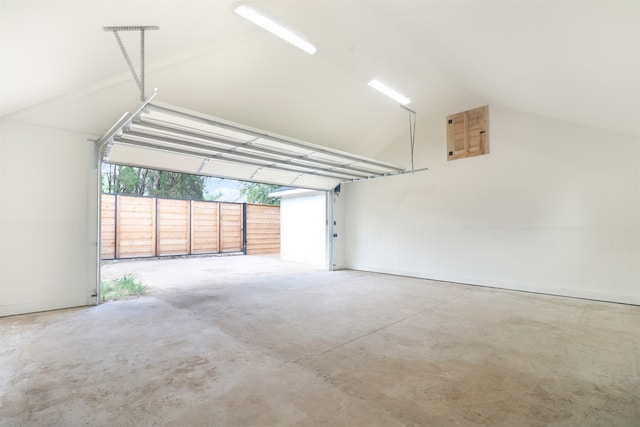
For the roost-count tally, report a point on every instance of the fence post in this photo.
(244, 228)
(190, 227)
(156, 241)
(116, 213)
(219, 227)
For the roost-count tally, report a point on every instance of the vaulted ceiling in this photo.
(575, 61)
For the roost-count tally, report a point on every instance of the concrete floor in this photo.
(257, 342)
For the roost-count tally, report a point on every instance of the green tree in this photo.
(108, 178)
(177, 185)
(151, 182)
(130, 180)
(123, 179)
(259, 193)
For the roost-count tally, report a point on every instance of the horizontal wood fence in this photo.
(135, 226)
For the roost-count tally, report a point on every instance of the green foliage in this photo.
(151, 182)
(128, 180)
(259, 193)
(121, 287)
(177, 185)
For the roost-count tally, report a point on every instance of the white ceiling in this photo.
(576, 61)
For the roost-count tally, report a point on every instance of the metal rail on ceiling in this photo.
(168, 129)
(216, 145)
(276, 138)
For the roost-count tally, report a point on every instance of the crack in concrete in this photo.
(384, 327)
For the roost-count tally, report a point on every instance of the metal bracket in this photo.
(138, 78)
(103, 145)
(412, 132)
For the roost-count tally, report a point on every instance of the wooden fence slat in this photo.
(173, 227)
(230, 227)
(108, 226)
(205, 227)
(135, 227)
(263, 229)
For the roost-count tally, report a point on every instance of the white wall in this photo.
(303, 228)
(47, 219)
(554, 208)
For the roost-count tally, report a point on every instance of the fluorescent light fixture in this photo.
(389, 92)
(276, 29)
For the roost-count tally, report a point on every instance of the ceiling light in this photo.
(389, 92)
(276, 29)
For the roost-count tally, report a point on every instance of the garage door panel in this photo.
(171, 138)
(153, 159)
(224, 169)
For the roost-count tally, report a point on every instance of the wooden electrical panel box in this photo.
(468, 133)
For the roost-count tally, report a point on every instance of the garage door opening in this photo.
(206, 217)
(168, 138)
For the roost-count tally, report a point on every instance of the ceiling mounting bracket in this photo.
(142, 28)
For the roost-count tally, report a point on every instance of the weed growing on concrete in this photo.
(122, 287)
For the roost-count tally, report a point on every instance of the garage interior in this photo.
(499, 288)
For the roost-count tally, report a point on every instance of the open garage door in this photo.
(161, 136)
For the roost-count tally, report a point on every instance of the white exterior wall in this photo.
(554, 208)
(303, 228)
(48, 218)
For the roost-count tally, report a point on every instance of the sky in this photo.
(229, 188)
(214, 184)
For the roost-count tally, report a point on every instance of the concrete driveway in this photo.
(174, 274)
